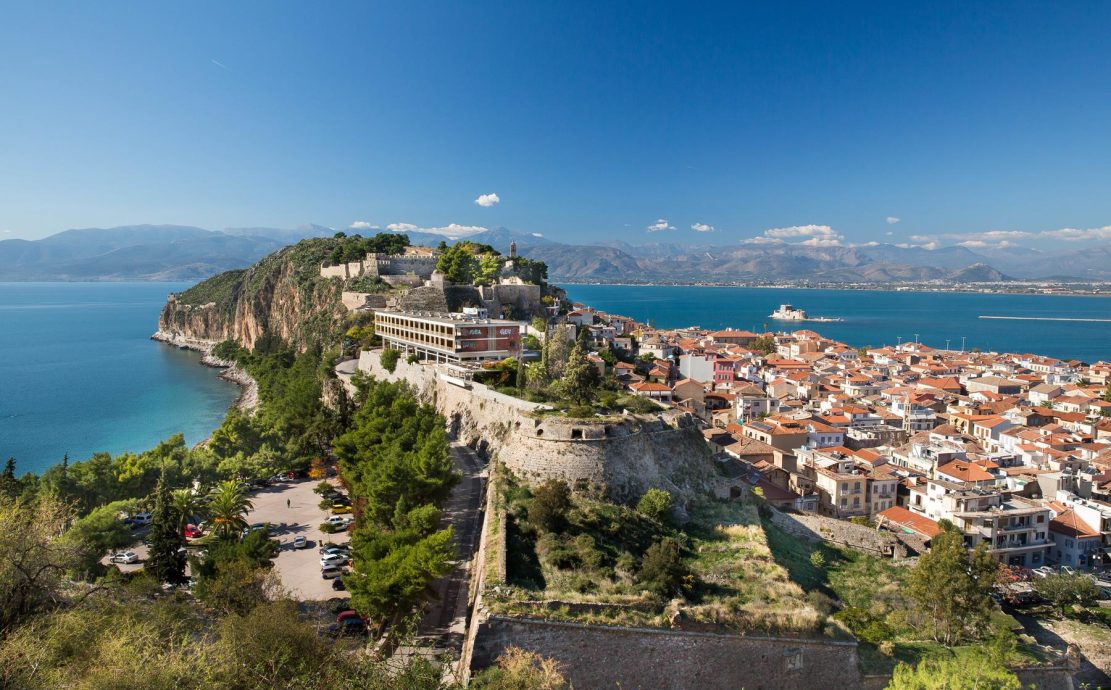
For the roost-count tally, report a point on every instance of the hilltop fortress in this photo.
(412, 267)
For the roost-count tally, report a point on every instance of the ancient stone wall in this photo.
(816, 528)
(631, 658)
(621, 457)
(359, 300)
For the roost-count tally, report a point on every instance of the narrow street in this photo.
(444, 622)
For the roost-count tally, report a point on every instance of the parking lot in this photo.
(299, 569)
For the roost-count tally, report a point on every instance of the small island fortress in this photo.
(786, 312)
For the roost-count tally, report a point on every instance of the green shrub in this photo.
(412, 359)
(550, 502)
(817, 559)
(662, 570)
(656, 504)
(389, 359)
(328, 528)
(581, 412)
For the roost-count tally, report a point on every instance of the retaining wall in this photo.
(630, 658)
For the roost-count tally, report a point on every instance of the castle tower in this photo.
(513, 250)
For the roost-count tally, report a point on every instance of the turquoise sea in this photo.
(78, 374)
(873, 317)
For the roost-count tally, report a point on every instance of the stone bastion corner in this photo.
(619, 456)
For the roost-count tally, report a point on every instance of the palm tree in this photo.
(228, 505)
(188, 505)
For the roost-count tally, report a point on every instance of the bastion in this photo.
(619, 456)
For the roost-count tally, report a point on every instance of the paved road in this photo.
(445, 619)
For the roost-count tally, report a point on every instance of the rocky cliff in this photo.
(282, 294)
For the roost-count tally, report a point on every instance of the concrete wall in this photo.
(630, 658)
(620, 458)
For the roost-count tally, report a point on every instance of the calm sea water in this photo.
(876, 317)
(78, 374)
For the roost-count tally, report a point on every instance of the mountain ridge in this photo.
(183, 252)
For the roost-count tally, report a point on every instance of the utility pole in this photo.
(962, 343)
(947, 344)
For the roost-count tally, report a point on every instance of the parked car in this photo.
(1044, 571)
(334, 559)
(192, 532)
(340, 508)
(351, 627)
(350, 613)
(124, 557)
(338, 586)
(331, 572)
(300, 543)
(344, 605)
(330, 545)
(139, 519)
(338, 521)
(1065, 570)
(256, 527)
(341, 550)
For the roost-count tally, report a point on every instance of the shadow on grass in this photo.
(522, 564)
(794, 555)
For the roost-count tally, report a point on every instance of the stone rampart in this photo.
(620, 457)
(841, 532)
(594, 656)
(361, 300)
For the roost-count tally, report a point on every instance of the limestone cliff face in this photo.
(283, 294)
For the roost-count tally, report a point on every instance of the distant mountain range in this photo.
(183, 253)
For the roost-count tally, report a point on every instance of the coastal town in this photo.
(1015, 449)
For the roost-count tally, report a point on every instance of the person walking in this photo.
(287, 503)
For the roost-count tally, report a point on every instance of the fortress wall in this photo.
(620, 457)
(595, 656)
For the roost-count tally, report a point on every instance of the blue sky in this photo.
(820, 122)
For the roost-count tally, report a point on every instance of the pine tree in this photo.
(166, 561)
(9, 485)
(951, 591)
(580, 378)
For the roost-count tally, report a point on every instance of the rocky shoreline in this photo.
(248, 388)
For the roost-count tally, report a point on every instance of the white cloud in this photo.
(818, 235)
(487, 200)
(762, 240)
(660, 224)
(891, 220)
(537, 234)
(219, 64)
(870, 244)
(702, 227)
(928, 246)
(889, 234)
(1078, 235)
(363, 225)
(453, 230)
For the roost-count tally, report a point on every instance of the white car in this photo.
(1067, 570)
(139, 519)
(124, 557)
(333, 559)
(338, 521)
(300, 543)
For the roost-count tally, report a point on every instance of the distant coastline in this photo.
(1104, 291)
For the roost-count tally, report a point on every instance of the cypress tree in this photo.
(165, 562)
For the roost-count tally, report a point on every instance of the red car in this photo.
(347, 614)
(192, 532)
